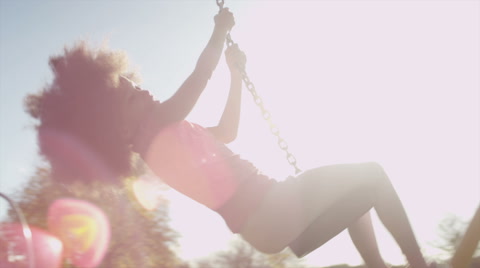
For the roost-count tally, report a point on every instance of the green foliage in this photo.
(139, 238)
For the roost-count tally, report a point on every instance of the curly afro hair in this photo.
(79, 129)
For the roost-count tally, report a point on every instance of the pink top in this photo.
(189, 159)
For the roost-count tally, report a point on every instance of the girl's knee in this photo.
(375, 173)
(374, 165)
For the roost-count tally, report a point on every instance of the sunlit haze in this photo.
(396, 82)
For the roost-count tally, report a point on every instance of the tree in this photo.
(139, 238)
(451, 232)
(242, 255)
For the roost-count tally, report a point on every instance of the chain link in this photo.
(282, 144)
(220, 4)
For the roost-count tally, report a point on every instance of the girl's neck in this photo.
(146, 128)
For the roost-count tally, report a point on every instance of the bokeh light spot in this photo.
(146, 192)
(83, 228)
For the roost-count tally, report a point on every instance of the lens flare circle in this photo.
(83, 228)
(146, 192)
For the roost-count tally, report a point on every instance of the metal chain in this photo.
(282, 144)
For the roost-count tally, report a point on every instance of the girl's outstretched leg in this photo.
(363, 237)
(392, 214)
(297, 204)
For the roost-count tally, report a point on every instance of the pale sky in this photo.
(396, 82)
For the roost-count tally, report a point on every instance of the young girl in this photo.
(93, 116)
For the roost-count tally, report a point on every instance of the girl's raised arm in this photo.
(182, 102)
(227, 129)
